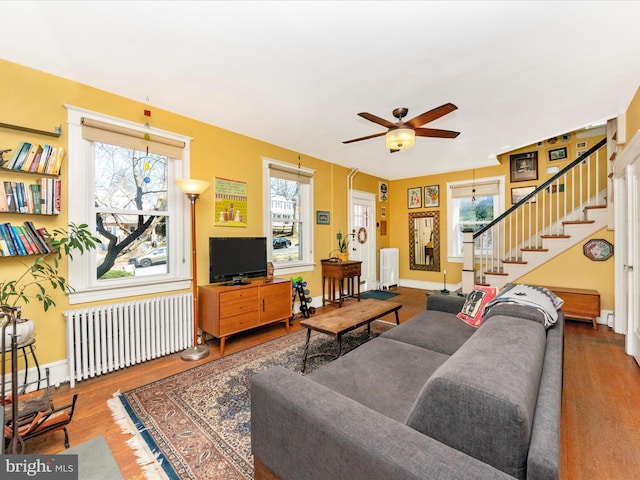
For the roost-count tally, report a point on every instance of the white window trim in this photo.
(450, 213)
(306, 264)
(80, 188)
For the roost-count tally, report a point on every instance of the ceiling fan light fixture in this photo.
(400, 138)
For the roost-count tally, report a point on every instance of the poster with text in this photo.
(230, 203)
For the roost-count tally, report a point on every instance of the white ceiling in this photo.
(296, 74)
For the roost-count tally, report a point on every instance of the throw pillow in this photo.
(473, 307)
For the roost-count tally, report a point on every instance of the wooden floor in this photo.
(600, 437)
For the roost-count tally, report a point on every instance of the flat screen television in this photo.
(234, 259)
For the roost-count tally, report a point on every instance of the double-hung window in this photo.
(121, 183)
(471, 205)
(288, 207)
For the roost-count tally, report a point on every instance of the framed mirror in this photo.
(424, 241)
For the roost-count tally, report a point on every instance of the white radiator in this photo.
(106, 338)
(388, 268)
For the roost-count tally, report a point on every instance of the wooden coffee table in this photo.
(337, 322)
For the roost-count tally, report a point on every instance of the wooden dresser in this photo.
(228, 309)
(334, 274)
(579, 303)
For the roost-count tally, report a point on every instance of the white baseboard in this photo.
(58, 374)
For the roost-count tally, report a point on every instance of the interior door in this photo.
(362, 224)
(632, 267)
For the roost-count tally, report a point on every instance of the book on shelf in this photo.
(20, 240)
(10, 196)
(35, 193)
(42, 161)
(34, 152)
(41, 242)
(28, 246)
(55, 161)
(18, 156)
(16, 240)
(6, 236)
(4, 206)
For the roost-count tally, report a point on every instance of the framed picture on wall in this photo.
(432, 196)
(519, 193)
(414, 197)
(558, 154)
(323, 218)
(524, 166)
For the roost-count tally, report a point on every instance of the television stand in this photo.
(227, 309)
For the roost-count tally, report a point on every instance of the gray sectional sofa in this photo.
(432, 398)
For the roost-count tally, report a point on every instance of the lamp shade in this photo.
(400, 138)
(192, 186)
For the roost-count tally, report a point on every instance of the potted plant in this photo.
(39, 278)
(343, 247)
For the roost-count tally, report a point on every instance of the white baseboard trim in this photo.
(422, 285)
(58, 374)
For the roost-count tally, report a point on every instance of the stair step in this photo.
(578, 222)
(517, 262)
(534, 249)
(555, 236)
(588, 207)
(502, 274)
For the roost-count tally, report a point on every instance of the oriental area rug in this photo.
(197, 424)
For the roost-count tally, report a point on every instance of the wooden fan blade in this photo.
(435, 132)
(378, 120)
(365, 138)
(431, 115)
(394, 151)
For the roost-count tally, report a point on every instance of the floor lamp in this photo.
(193, 188)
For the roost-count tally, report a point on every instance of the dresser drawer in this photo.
(238, 306)
(238, 323)
(351, 270)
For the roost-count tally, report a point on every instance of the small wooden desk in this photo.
(335, 273)
(579, 303)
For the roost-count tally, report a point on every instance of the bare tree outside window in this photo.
(131, 208)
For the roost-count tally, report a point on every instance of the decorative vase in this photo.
(24, 331)
(343, 256)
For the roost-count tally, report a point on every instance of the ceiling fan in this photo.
(402, 134)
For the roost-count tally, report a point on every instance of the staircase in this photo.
(562, 212)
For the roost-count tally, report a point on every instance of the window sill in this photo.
(291, 269)
(115, 293)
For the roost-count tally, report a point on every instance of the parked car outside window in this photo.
(154, 257)
(281, 243)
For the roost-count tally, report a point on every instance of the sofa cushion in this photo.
(473, 308)
(384, 375)
(434, 330)
(482, 401)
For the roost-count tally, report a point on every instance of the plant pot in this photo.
(343, 256)
(24, 331)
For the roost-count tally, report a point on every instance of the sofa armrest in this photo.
(452, 303)
(301, 430)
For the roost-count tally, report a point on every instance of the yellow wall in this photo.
(573, 269)
(633, 116)
(35, 99)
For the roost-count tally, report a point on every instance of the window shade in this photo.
(483, 189)
(292, 174)
(96, 131)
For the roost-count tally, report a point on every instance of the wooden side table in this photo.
(579, 303)
(334, 274)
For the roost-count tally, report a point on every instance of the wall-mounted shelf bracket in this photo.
(56, 133)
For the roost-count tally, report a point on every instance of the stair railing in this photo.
(540, 214)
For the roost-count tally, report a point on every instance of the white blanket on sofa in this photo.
(540, 298)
